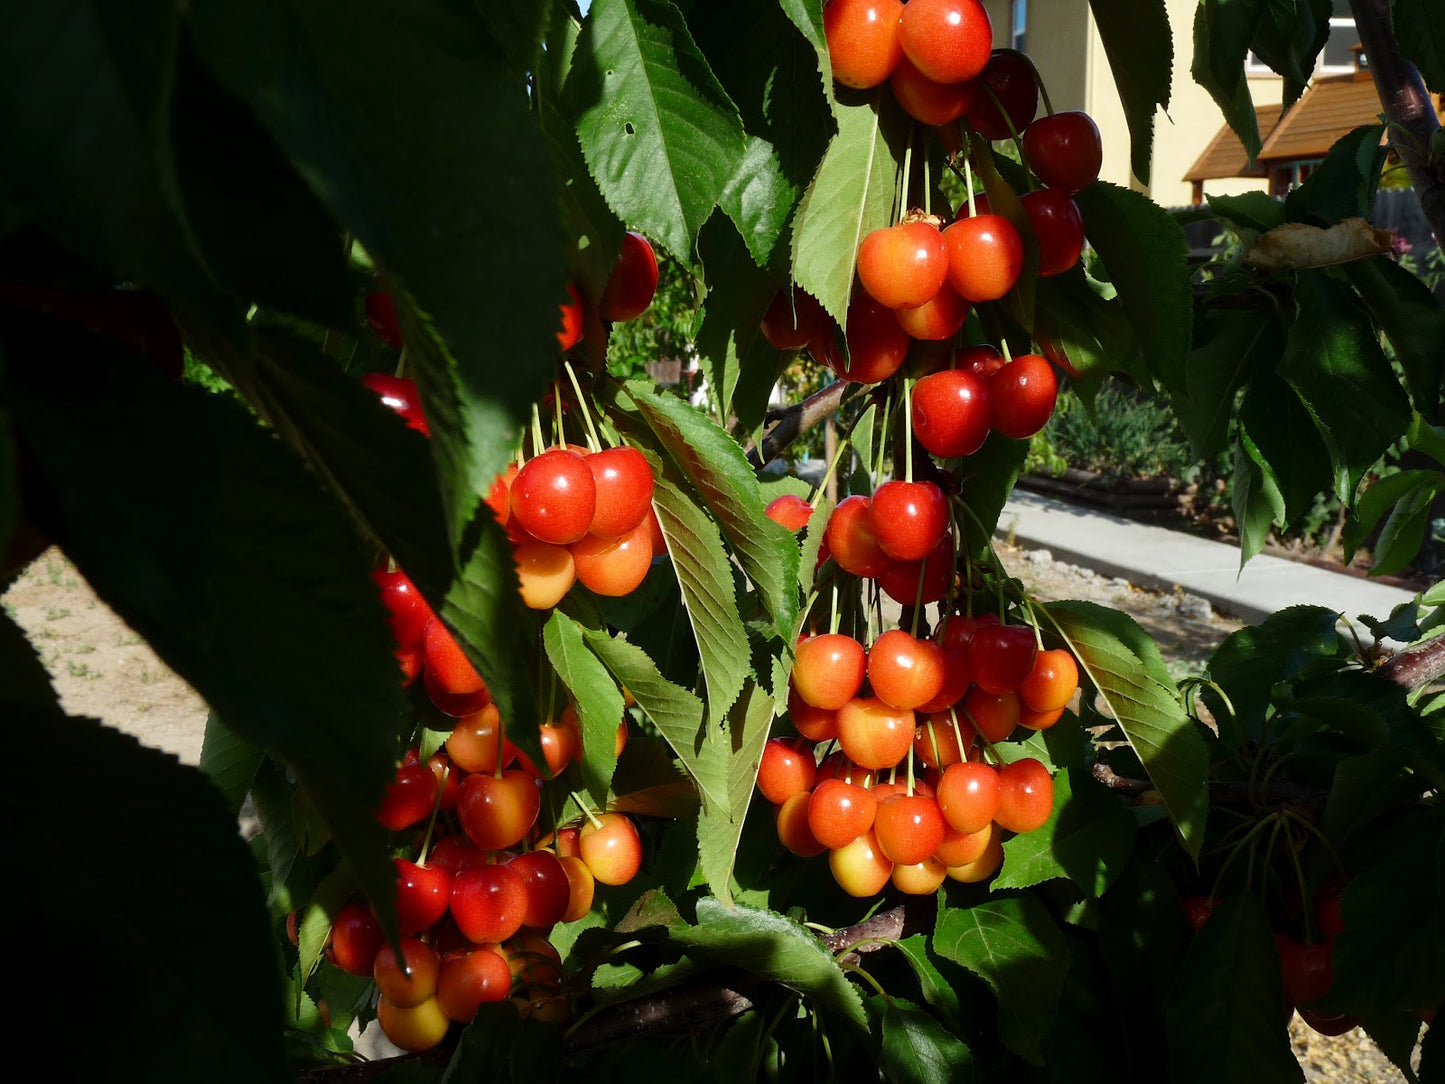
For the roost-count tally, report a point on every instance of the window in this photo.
(1019, 25)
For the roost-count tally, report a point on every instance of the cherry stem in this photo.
(436, 808)
(560, 431)
(978, 732)
(917, 600)
(968, 180)
(536, 430)
(1329, 847)
(907, 175)
(933, 738)
(835, 618)
(844, 445)
(1007, 354)
(927, 191)
(593, 441)
(910, 771)
(586, 810)
(400, 361)
(855, 969)
(957, 730)
(908, 429)
(1304, 888)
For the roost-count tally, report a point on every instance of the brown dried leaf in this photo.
(1297, 245)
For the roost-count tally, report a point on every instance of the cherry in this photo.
(1058, 227)
(968, 796)
(1025, 795)
(1039, 720)
(905, 671)
(545, 573)
(410, 797)
(957, 677)
(994, 715)
(548, 888)
(787, 768)
(900, 580)
(909, 518)
(927, 101)
(937, 319)
(828, 670)
(793, 830)
(421, 895)
(499, 497)
(456, 852)
(952, 413)
(862, 37)
(581, 886)
(1329, 1023)
(488, 903)
(860, 867)
(936, 742)
(949, 40)
(839, 812)
(611, 848)
(873, 734)
(1023, 393)
(793, 320)
(984, 866)
(497, 811)
(613, 567)
(1010, 76)
(411, 979)
(401, 395)
(633, 281)
(474, 741)
(877, 346)
(814, 724)
(919, 878)
(1001, 656)
(554, 496)
(790, 510)
(450, 673)
(985, 256)
(570, 333)
(909, 828)
(1051, 682)
(408, 611)
(414, 1028)
(624, 488)
(983, 361)
(902, 265)
(960, 848)
(1064, 150)
(470, 979)
(852, 540)
(356, 936)
(1308, 970)
(561, 744)
(381, 315)
(1197, 910)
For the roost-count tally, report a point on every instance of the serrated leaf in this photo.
(1420, 30)
(1249, 211)
(1407, 498)
(774, 947)
(1146, 253)
(716, 466)
(339, 86)
(1284, 440)
(1223, 31)
(1226, 1011)
(1258, 504)
(917, 1049)
(599, 701)
(1140, 48)
(1344, 184)
(1228, 344)
(1083, 321)
(1334, 364)
(660, 134)
(852, 195)
(229, 760)
(1396, 1034)
(1125, 666)
(1411, 318)
(985, 480)
(1289, 40)
(1012, 943)
(807, 16)
(735, 754)
(1088, 839)
(934, 987)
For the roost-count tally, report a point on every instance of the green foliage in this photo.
(1121, 433)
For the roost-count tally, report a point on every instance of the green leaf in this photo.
(660, 134)
(1146, 253)
(1391, 954)
(84, 101)
(1223, 31)
(1420, 30)
(1407, 498)
(1364, 788)
(807, 16)
(1411, 318)
(1124, 664)
(215, 544)
(1013, 944)
(340, 86)
(985, 480)
(773, 947)
(850, 197)
(1250, 211)
(734, 754)
(167, 829)
(1258, 504)
(1088, 839)
(1289, 40)
(599, 701)
(935, 987)
(1228, 344)
(917, 1049)
(1282, 437)
(1083, 320)
(716, 466)
(1140, 48)
(229, 760)
(1226, 1011)
(1396, 1034)
(1334, 363)
(1343, 185)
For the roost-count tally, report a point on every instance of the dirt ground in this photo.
(102, 669)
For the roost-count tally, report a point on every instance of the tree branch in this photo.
(797, 419)
(1407, 107)
(1417, 665)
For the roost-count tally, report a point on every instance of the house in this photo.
(1061, 37)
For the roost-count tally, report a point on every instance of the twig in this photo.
(1417, 665)
(798, 419)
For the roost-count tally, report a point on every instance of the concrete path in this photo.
(1162, 559)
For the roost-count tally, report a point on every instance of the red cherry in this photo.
(470, 979)
(381, 315)
(488, 902)
(633, 281)
(995, 715)
(793, 830)
(839, 812)
(793, 320)
(862, 37)
(909, 828)
(949, 40)
(900, 580)
(401, 395)
(828, 670)
(851, 539)
(1329, 1023)
(545, 573)
(554, 496)
(877, 346)
(473, 742)
(450, 673)
(961, 848)
(355, 938)
(624, 488)
(1025, 795)
(1010, 77)
(548, 889)
(982, 361)
(936, 742)
(790, 510)
(860, 867)
(902, 265)
(570, 333)
(985, 256)
(409, 797)
(905, 671)
(951, 413)
(1197, 910)
(408, 611)
(787, 768)
(410, 980)
(1001, 656)
(497, 811)
(937, 319)
(1308, 970)
(957, 677)
(874, 734)
(421, 895)
(1023, 393)
(611, 848)
(1051, 682)
(927, 101)
(613, 567)
(1058, 226)
(909, 518)
(968, 796)
(1064, 150)
(813, 724)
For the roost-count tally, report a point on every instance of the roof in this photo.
(1226, 157)
(1329, 109)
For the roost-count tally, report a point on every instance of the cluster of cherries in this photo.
(903, 699)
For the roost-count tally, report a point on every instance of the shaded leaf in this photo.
(919, 1050)
(1406, 499)
(1344, 184)
(598, 699)
(1140, 48)
(1412, 319)
(1228, 344)
(1420, 30)
(1088, 839)
(733, 753)
(1223, 31)
(1255, 497)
